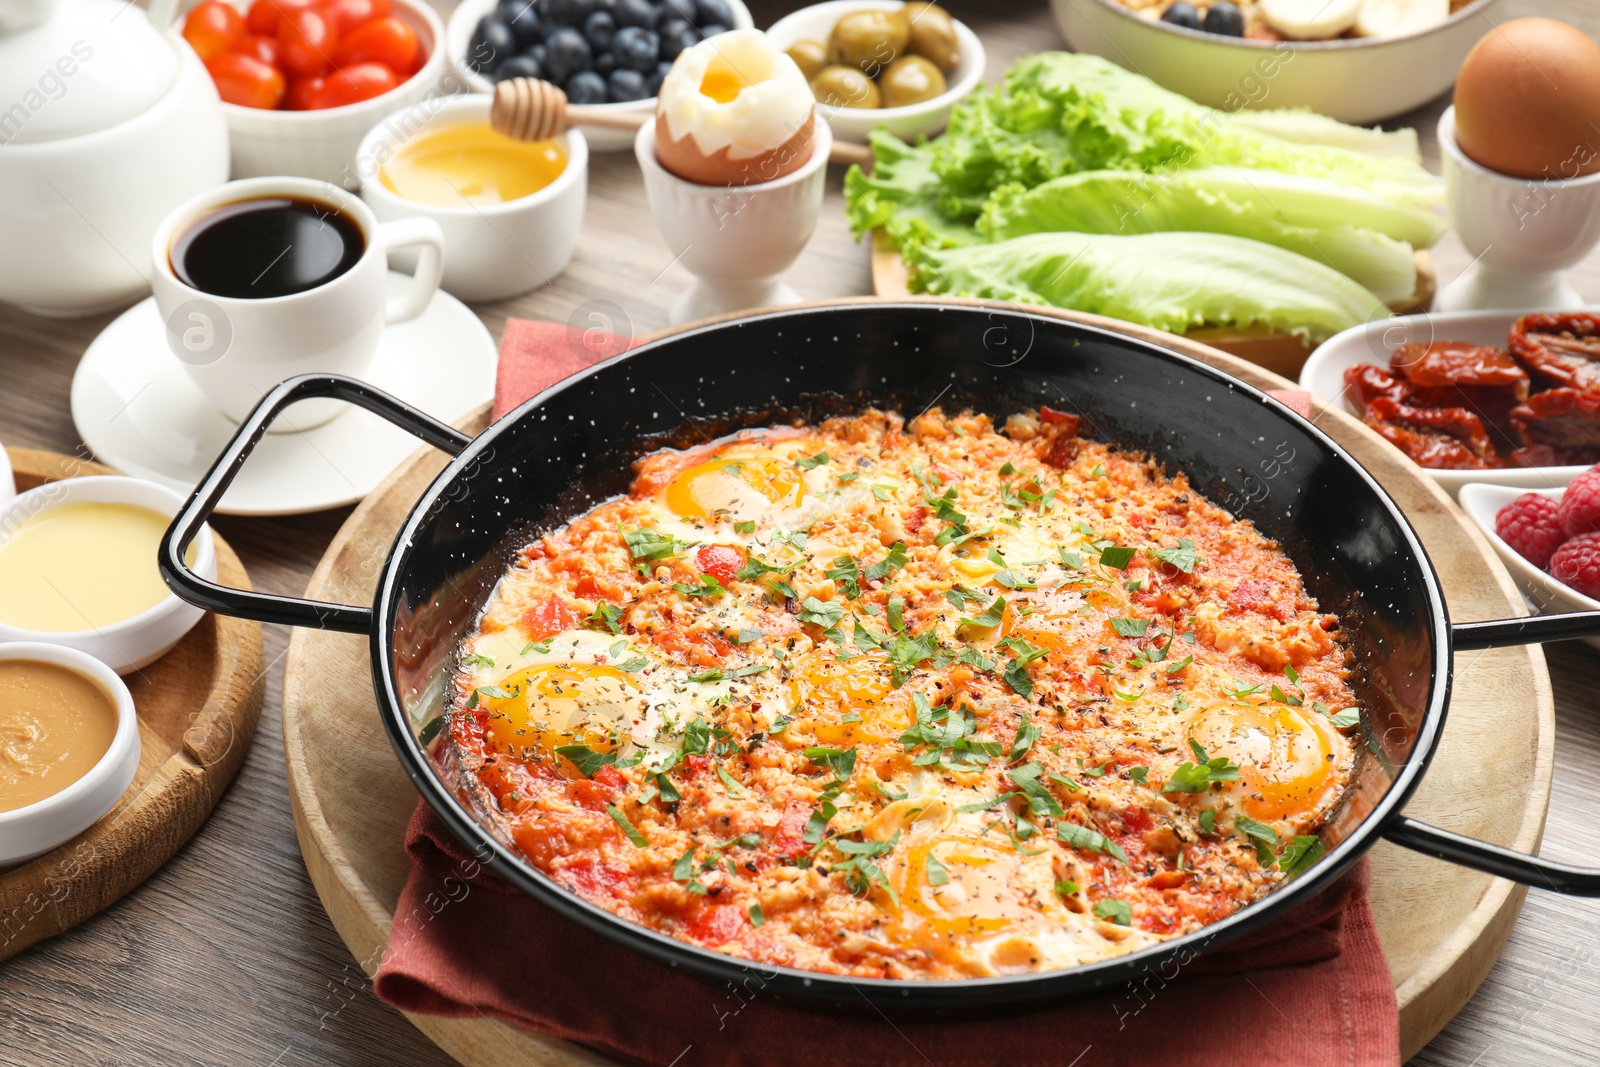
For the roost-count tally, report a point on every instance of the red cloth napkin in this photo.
(1312, 989)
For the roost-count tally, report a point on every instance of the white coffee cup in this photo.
(235, 349)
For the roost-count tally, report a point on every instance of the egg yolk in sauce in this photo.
(551, 705)
(55, 725)
(470, 163)
(82, 567)
(1285, 758)
(734, 488)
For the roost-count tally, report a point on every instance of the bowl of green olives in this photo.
(884, 63)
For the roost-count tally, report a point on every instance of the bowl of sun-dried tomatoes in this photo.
(1495, 397)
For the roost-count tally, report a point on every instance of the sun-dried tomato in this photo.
(1561, 350)
(1563, 419)
(1442, 438)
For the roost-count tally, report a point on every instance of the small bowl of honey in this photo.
(69, 746)
(78, 569)
(510, 210)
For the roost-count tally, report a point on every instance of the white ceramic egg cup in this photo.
(735, 239)
(1522, 234)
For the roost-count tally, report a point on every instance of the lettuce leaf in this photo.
(1348, 229)
(1171, 281)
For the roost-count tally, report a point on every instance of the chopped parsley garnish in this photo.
(1264, 837)
(908, 652)
(1115, 910)
(745, 636)
(607, 615)
(747, 527)
(946, 733)
(1009, 498)
(961, 596)
(861, 873)
(820, 613)
(1278, 696)
(646, 544)
(1238, 690)
(810, 462)
(478, 661)
(1068, 888)
(1208, 821)
(1139, 774)
(847, 573)
(896, 559)
(707, 586)
(1183, 557)
(883, 493)
(587, 760)
(1178, 665)
(754, 568)
(733, 787)
(684, 871)
(540, 647)
(1116, 556)
(630, 831)
(1029, 779)
(697, 737)
(1008, 470)
(758, 918)
(780, 724)
(1130, 627)
(1016, 675)
(1197, 777)
(1342, 720)
(430, 729)
(990, 617)
(1302, 852)
(938, 873)
(821, 815)
(1006, 576)
(1099, 471)
(633, 663)
(1027, 734)
(494, 692)
(897, 613)
(841, 761)
(984, 805)
(1090, 840)
(1070, 559)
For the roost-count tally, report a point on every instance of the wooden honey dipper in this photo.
(528, 109)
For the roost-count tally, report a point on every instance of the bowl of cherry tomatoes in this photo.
(302, 81)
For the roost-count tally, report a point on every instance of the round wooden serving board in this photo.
(1280, 353)
(197, 706)
(1442, 927)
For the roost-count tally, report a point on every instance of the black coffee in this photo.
(273, 246)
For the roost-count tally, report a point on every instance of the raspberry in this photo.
(1530, 525)
(1580, 504)
(1576, 564)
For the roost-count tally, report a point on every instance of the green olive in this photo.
(809, 56)
(932, 34)
(840, 86)
(868, 40)
(910, 80)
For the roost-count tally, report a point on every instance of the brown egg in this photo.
(1528, 101)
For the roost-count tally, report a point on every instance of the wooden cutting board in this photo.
(197, 706)
(1442, 927)
(1279, 353)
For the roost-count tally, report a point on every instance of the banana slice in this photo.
(1395, 18)
(1310, 20)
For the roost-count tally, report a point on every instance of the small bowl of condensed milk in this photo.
(69, 746)
(78, 568)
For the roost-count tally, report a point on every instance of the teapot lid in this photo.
(78, 66)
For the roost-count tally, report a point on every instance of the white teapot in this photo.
(106, 124)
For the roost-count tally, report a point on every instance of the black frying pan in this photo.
(571, 447)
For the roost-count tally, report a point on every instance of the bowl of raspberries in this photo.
(1549, 539)
(606, 53)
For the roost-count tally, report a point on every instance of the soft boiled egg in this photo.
(734, 110)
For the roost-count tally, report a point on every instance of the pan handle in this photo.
(1493, 859)
(1533, 629)
(265, 607)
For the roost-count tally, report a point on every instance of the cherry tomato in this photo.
(355, 83)
(263, 48)
(307, 42)
(265, 16)
(348, 14)
(213, 28)
(245, 80)
(720, 561)
(303, 92)
(387, 40)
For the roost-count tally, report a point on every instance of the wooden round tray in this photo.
(198, 707)
(1280, 353)
(1442, 927)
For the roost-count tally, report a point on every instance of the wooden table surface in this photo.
(225, 956)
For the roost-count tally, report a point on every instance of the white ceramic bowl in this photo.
(8, 486)
(458, 36)
(322, 144)
(491, 251)
(128, 645)
(1359, 80)
(37, 828)
(852, 124)
(1545, 595)
(1323, 377)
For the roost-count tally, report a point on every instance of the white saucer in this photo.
(136, 409)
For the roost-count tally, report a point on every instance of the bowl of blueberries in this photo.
(610, 53)
(1358, 61)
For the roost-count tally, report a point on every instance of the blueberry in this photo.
(604, 64)
(686, 10)
(625, 85)
(597, 30)
(519, 15)
(586, 87)
(713, 12)
(639, 13)
(1225, 19)
(568, 12)
(565, 54)
(672, 26)
(519, 67)
(536, 53)
(1182, 14)
(673, 44)
(636, 48)
(492, 42)
(653, 83)
(711, 29)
